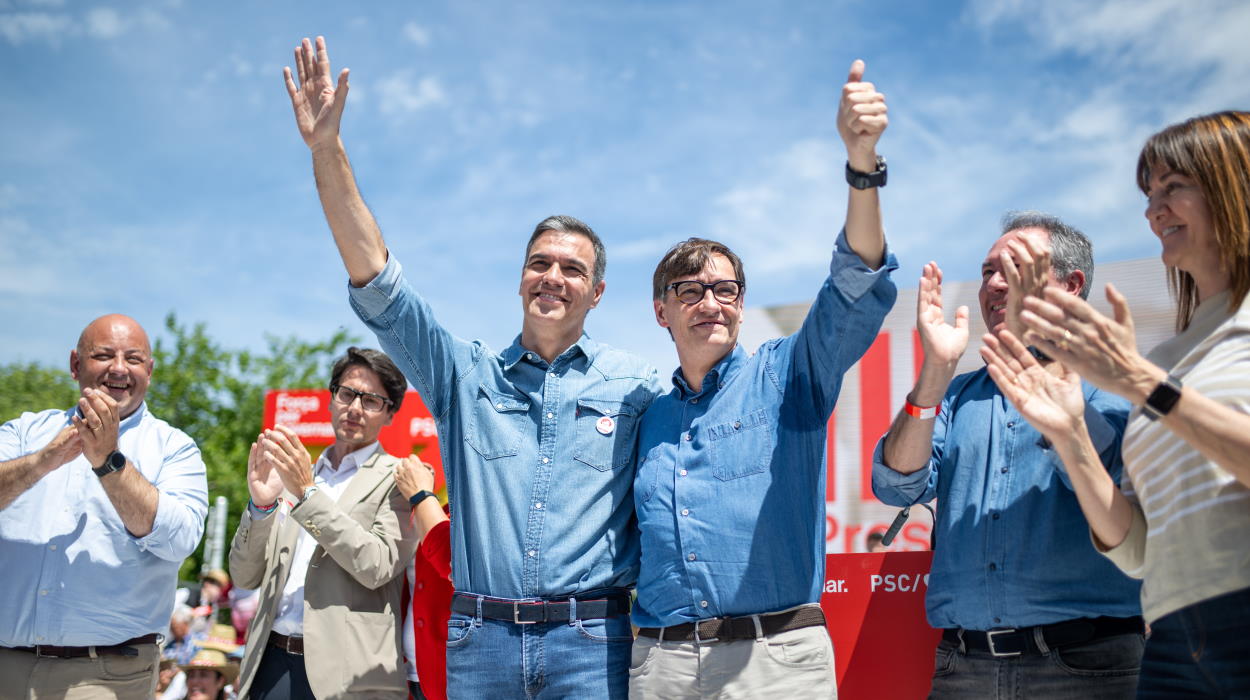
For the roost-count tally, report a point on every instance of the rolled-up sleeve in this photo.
(181, 504)
(895, 488)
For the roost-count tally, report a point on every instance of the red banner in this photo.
(882, 645)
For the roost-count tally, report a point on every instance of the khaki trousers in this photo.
(106, 677)
(793, 664)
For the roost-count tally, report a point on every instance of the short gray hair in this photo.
(567, 224)
(182, 613)
(1070, 250)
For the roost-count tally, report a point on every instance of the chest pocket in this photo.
(605, 433)
(741, 447)
(498, 423)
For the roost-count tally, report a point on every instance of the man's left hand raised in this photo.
(861, 119)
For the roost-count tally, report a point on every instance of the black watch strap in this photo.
(864, 181)
(421, 496)
(115, 462)
(1163, 399)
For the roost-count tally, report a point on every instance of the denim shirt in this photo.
(72, 574)
(1013, 547)
(539, 457)
(731, 488)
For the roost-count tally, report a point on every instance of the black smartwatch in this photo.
(864, 181)
(1163, 399)
(115, 462)
(421, 496)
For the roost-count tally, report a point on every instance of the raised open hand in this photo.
(264, 484)
(1026, 266)
(1051, 401)
(942, 342)
(1102, 349)
(317, 102)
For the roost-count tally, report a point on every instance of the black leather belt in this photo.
(733, 628)
(528, 612)
(291, 645)
(126, 648)
(1016, 642)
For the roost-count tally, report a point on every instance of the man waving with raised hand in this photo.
(538, 440)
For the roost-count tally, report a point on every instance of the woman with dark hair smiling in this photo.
(1181, 518)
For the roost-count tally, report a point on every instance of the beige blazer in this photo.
(353, 643)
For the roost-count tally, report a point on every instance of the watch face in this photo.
(116, 461)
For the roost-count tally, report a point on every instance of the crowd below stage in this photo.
(1092, 501)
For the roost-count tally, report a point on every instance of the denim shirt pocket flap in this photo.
(497, 423)
(605, 433)
(741, 447)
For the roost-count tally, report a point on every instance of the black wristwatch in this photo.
(115, 462)
(421, 496)
(863, 181)
(1163, 399)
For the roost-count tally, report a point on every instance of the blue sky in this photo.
(149, 161)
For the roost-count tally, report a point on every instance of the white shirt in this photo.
(332, 482)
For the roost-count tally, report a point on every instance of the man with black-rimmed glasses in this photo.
(730, 489)
(327, 544)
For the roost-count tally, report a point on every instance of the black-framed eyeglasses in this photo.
(373, 403)
(693, 291)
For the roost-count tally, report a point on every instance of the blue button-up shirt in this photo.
(1013, 548)
(72, 575)
(539, 457)
(731, 489)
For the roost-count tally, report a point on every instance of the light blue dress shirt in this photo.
(539, 458)
(731, 488)
(1013, 548)
(72, 575)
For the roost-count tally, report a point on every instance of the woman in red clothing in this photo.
(430, 581)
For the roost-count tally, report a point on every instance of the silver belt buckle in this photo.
(699, 640)
(516, 614)
(989, 640)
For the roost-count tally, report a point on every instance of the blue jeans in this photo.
(1200, 651)
(500, 660)
(1105, 668)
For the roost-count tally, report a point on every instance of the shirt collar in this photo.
(516, 352)
(721, 372)
(350, 461)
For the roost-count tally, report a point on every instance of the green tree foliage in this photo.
(213, 393)
(33, 387)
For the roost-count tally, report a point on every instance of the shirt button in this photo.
(689, 437)
(499, 406)
(737, 424)
(529, 355)
(538, 506)
(420, 585)
(550, 414)
(551, 374)
(420, 623)
(993, 566)
(545, 460)
(682, 472)
(703, 603)
(695, 400)
(691, 556)
(532, 552)
(685, 511)
(995, 516)
(43, 592)
(998, 619)
(1003, 470)
(1011, 424)
(52, 547)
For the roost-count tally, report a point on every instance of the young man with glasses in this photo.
(730, 489)
(328, 544)
(538, 441)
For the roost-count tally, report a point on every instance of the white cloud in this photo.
(105, 23)
(401, 95)
(417, 34)
(23, 26)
